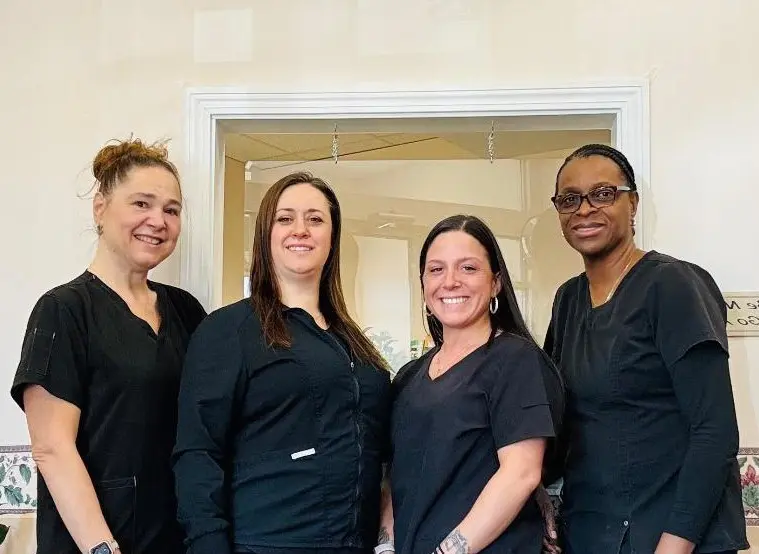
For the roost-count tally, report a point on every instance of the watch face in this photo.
(102, 548)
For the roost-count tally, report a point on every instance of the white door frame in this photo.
(206, 108)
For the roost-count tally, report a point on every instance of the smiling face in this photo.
(457, 280)
(140, 217)
(595, 232)
(301, 235)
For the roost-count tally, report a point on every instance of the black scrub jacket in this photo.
(278, 449)
(85, 346)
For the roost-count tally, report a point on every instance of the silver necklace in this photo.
(619, 279)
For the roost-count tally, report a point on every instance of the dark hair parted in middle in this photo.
(508, 318)
(264, 287)
(619, 159)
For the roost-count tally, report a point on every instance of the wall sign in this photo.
(742, 314)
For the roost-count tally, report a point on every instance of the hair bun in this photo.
(127, 152)
(114, 161)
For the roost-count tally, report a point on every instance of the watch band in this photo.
(384, 547)
(111, 545)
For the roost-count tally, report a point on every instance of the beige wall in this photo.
(21, 537)
(75, 75)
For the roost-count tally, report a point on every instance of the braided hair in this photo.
(607, 152)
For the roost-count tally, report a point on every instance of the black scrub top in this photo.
(85, 346)
(446, 434)
(650, 421)
(279, 449)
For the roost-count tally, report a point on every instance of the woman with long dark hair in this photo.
(284, 402)
(471, 418)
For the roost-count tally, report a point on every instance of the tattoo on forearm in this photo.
(384, 536)
(454, 543)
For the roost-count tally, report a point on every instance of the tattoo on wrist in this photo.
(384, 536)
(454, 543)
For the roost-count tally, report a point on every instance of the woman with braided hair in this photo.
(639, 337)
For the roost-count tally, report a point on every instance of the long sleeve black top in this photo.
(650, 424)
(278, 448)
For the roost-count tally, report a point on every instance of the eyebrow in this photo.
(308, 211)
(574, 189)
(460, 261)
(151, 196)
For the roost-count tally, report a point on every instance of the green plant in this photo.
(3, 532)
(385, 344)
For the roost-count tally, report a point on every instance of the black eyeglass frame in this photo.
(615, 188)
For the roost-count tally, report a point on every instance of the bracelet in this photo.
(384, 547)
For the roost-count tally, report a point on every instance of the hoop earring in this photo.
(427, 311)
(494, 305)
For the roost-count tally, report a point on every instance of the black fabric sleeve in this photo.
(549, 341)
(555, 457)
(53, 354)
(686, 309)
(517, 401)
(688, 318)
(704, 392)
(211, 387)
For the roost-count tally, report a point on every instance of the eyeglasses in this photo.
(601, 197)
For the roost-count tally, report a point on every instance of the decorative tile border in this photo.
(18, 480)
(748, 460)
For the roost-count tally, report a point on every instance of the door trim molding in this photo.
(207, 109)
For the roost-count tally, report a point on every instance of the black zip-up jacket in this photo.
(278, 448)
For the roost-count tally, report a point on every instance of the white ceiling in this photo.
(297, 147)
(457, 138)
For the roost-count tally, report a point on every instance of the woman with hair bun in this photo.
(99, 372)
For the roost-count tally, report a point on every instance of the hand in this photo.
(551, 536)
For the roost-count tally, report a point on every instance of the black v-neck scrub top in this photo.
(85, 346)
(650, 422)
(446, 434)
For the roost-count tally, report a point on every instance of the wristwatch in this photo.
(107, 547)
